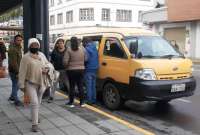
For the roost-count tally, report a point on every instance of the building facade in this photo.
(69, 16)
(179, 21)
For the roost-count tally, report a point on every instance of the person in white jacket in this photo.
(33, 77)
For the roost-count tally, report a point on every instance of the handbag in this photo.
(3, 72)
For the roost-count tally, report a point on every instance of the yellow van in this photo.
(137, 64)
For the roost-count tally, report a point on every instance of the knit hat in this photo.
(33, 40)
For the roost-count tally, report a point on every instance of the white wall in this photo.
(197, 48)
(75, 5)
(194, 33)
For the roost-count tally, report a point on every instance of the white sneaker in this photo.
(82, 105)
(71, 106)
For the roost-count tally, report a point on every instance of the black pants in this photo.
(76, 78)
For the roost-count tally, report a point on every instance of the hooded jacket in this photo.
(92, 63)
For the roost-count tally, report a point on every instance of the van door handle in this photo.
(104, 64)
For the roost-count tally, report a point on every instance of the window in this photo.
(69, 16)
(59, 2)
(105, 14)
(52, 20)
(95, 39)
(113, 48)
(60, 18)
(52, 3)
(139, 16)
(86, 14)
(124, 15)
(67, 43)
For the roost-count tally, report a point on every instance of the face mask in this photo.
(34, 50)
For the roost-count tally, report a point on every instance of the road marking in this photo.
(184, 100)
(128, 124)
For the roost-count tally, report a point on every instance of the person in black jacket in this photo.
(57, 61)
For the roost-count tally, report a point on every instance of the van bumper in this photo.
(157, 90)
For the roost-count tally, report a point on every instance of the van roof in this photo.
(119, 31)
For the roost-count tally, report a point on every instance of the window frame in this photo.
(60, 16)
(122, 15)
(104, 13)
(121, 47)
(86, 14)
(52, 20)
(69, 16)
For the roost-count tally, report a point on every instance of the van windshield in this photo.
(151, 47)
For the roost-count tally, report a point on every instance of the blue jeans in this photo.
(15, 87)
(90, 79)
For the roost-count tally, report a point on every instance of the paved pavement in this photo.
(56, 118)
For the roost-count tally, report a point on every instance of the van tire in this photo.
(111, 97)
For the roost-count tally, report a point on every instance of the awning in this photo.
(5, 5)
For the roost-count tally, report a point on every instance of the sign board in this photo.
(39, 36)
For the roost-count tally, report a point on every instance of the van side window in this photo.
(113, 48)
(96, 40)
(67, 43)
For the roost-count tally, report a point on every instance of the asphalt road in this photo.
(179, 117)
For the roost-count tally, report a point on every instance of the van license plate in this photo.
(178, 88)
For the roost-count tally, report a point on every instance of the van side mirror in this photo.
(133, 48)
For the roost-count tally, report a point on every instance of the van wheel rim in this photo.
(111, 95)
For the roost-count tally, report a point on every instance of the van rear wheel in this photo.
(111, 97)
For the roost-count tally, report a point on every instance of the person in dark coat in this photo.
(57, 61)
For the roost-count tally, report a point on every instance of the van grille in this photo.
(173, 77)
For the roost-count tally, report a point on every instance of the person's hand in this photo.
(22, 89)
(45, 70)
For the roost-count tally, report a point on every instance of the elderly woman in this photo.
(33, 70)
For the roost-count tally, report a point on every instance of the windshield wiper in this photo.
(170, 56)
(149, 56)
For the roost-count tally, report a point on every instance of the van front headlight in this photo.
(145, 74)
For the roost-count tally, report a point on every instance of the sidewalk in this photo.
(56, 118)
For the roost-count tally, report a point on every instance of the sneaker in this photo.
(35, 128)
(82, 105)
(11, 99)
(50, 100)
(18, 103)
(70, 104)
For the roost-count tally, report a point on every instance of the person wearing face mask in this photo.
(34, 68)
(57, 61)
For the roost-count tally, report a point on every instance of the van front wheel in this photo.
(111, 97)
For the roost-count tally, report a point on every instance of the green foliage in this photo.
(14, 13)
